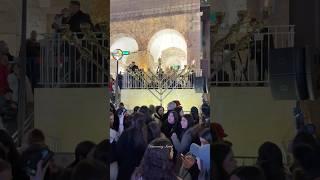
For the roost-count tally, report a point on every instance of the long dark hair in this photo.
(154, 131)
(219, 153)
(156, 163)
(181, 131)
(139, 130)
(90, 169)
(175, 115)
(189, 119)
(116, 121)
(270, 159)
(195, 114)
(168, 128)
(146, 111)
(157, 111)
(81, 152)
(206, 134)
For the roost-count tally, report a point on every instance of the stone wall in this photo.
(142, 30)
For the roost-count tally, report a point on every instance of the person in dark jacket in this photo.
(170, 125)
(131, 146)
(195, 114)
(158, 115)
(81, 152)
(183, 139)
(78, 17)
(60, 20)
(12, 156)
(270, 159)
(157, 162)
(33, 55)
(171, 106)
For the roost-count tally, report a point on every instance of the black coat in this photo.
(128, 155)
(77, 19)
(168, 129)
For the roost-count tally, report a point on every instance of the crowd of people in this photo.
(9, 88)
(270, 164)
(91, 160)
(151, 144)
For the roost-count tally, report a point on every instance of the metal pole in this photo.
(116, 95)
(22, 85)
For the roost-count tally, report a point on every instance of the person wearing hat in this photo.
(218, 132)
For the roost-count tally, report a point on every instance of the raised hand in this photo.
(188, 161)
(41, 171)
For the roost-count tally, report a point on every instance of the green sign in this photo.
(126, 52)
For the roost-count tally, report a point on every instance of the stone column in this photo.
(205, 20)
(193, 40)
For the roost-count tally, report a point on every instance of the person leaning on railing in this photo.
(60, 20)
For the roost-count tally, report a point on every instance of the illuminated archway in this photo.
(170, 42)
(123, 42)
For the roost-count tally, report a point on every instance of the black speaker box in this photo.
(288, 74)
(312, 59)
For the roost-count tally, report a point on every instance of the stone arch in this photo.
(123, 42)
(168, 39)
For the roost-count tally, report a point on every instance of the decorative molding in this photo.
(193, 7)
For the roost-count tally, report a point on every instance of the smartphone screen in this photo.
(31, 165)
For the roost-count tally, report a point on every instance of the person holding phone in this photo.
(41, 171)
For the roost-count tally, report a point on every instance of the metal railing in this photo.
(80, 61)
(143, 81)
(54, 143)
(249, 65)
(27, 125)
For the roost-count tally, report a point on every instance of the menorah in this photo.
(161, 84)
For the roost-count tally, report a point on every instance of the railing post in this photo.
(22, 85)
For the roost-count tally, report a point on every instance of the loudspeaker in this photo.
(312, 59)
(200, 85)
(287, 74)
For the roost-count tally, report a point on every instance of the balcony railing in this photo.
(249, 65)
(68, 63)
(140, 80)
